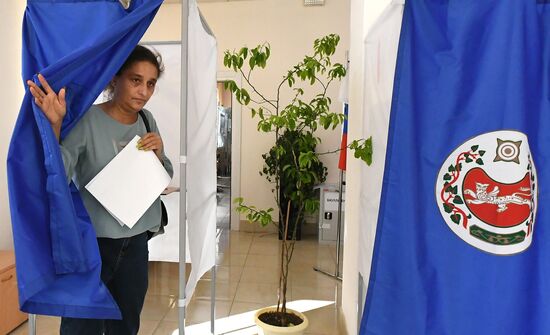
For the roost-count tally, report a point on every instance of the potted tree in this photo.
(291, 165)
(288, 184)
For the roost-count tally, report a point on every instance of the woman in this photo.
(98, 137)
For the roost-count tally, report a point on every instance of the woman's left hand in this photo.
(152, 141)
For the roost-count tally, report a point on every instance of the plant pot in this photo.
(275, 330)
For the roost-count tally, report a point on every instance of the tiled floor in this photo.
(247, 267)
(246, 280)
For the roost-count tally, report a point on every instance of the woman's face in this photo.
(135, 85)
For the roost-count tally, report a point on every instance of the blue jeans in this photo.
(124, 271)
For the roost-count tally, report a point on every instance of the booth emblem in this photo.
(486, 192)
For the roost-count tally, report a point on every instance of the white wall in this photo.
(11, 95)
(363, 15)
(290, 28)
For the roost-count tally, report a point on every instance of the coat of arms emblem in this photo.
(486, 192)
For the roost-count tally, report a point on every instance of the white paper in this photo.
(130, 183)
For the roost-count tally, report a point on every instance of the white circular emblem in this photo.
(486, 191)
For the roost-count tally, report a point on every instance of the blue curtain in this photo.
(463, 230)
(78, 45)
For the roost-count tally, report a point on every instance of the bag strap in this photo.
(145, 121)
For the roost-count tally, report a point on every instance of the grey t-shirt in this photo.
(92, 143)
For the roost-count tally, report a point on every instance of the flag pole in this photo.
(213, 300)
(183, 166)
(32, 324)
(344, 96)
(337, 273)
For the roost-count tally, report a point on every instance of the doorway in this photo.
(224, 156)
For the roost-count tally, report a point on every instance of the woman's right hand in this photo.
(53, 105)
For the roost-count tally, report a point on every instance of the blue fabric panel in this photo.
(465, 68)
(78, 45)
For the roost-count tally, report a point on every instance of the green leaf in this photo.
(245, 97)
(305, 178)
(451, 189)
(231, 85)
(479, 161)
(235, 62)
(456, 218)
(481, 152)
(447, 176)
(266, 127)
(252, 61)
(458, 200)
(291, 124)
(451, 168)
(226, 60)
(448, 208)
(244, 52)
(474, 148)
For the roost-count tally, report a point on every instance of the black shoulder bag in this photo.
(164, 215)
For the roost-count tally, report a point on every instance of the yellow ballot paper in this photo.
(130, 183)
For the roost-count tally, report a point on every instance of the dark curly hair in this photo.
(140, 54)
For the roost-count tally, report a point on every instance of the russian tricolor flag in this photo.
(344, 143)
(344, 96)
